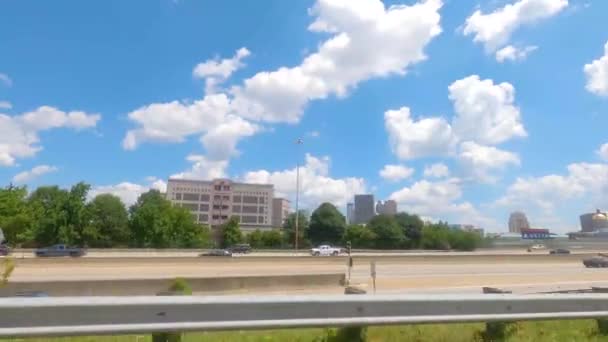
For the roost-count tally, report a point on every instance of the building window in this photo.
(261, 210)
(203, 218)
(226, 198)
(178, 196)
(261, 200)
(190, 206)
(190, 197)
(215, 217)
(204, 207)
(261, 219)
(250, 199)
(249, 209)
(236, 199)
(249, 219)
(216, 207)
(204, 198)
(218, 188)
(225, 207)
(224, 217)
(236, 208)
(217, 197)
(226, 187)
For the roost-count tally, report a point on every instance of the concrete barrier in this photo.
(134, 287)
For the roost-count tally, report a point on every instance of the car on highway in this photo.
(536, 247)
(325, 250)
(218, 252)
(4, 250)
(60, 251)
(559, 251)
(596, 261)
(242, 248)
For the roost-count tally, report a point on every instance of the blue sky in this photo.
(503, 103)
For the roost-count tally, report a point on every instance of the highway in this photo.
(437, 273)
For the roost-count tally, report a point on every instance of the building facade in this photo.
(214, 202)
(280, 211)
(518, 222)
(350, 213)
(594, 222)
(388, 207)
(364, 208)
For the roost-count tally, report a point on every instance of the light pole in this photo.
(298, 142)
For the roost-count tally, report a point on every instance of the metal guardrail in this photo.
(22, 317)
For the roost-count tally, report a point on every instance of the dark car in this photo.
(559, 251)
(596, 261)
(218, 252)
(60, 251)
(5, 250)
(242, 248)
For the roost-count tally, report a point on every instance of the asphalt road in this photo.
(411, 274)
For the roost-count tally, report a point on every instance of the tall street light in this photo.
(298, 142)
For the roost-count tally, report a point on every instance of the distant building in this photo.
(364, 208)
(280, 211)
(350, 213)
(594, 222)
(517, 222)
(468, 228)
(389, 207)
(214, 202)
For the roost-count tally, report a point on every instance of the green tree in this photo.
(255, 239)
(184, 232)
(76, 219)
(108, 224)
(412, 228)
(272, 239)
(15, 215)
(435, 236)
(388, 233)
(48, 215)
(289, 229)
(360, 236)
(327, 225)
(231, 232)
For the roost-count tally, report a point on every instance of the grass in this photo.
(554, 331)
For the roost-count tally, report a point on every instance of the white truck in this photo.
(325, 250)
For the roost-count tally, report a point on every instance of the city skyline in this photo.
(454, 116)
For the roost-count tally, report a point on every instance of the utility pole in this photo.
(298, 142)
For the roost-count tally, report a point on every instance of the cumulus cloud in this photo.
(128, 192)
(603, 151)
(597, 74)
(203, 168)
(494, 29)
(316, 186)
(485, 111)
(396, 173)
(35, 172)
(479, 160)
(19, 134)
(5, 105)
(437, 170)
(7, 81)
(216, 71)
(411, 138)
(512, 53)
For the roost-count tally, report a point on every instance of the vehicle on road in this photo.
(325, 250)
(4, 250)
(559, 251)
(596, 261)
(242, 248)
(60, 251)
(536, 247)
(218, 252)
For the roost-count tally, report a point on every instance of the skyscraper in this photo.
(364, 208)
(517, 222)
(350, 212)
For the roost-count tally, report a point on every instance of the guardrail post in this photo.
(354, 333)
(495, 331)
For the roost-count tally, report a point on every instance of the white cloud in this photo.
(5, 105)
(485, 111)
(478, 160)
(585, 183)
(396, 173)
(494, 29)
(216, 71)
(128, 192)
(6, 80)
(513, 53)
(603, 151)
(439, 200)
(35, 172)
(19, 134)
(203, 168)
(314, 134)
(367, 41)
(437, 170)
(597, 74)
(413, 139)
(316, 186)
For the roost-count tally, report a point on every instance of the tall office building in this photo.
(517, 222)
(388, 207)
(364, 208)
(280, 211)
(594, 222)
(350, 213)
(214, 202)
